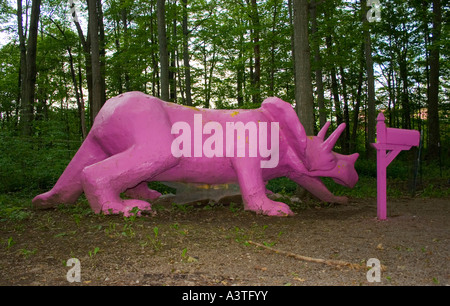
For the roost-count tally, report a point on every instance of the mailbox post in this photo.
(390, 141)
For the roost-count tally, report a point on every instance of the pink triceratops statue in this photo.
(134, 141)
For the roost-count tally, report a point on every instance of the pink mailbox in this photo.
(390, 141)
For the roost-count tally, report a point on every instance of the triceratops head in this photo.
(314, 152)
(322, 161)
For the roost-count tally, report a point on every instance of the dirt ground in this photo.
(208, 245)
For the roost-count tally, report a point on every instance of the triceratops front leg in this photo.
(253, 189)
(317, 188)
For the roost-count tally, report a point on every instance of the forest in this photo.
(338, 61)
(341, 60)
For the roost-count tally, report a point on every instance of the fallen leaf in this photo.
(261, 268)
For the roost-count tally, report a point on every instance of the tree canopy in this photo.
(228, 54)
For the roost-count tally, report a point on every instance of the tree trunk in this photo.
(119, 51)
(334, 83)
(208, 74)
(257, 53)
(240, 72)
(155, 69)
(86, 44)
(318, 72)
(291, 23)
(124, 17)
(370, 86)
(272, 51)
(163, 53)
(102, 51)
(303, 86)
(173, 60)
(433, 99)
(187, 66)
(358, 102)
(391, 85)
(29, 71)
(23, 56)
(82, 104)
(77, 96)
(346, 119)
(93, 24)
(406, 112)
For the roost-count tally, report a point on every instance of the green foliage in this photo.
(153, 241)
(32, 163)
(10, 242)
(9, 70)
(282, 185)
(221, 51)
(430, 180)
(14, 207)
(27, 253)
(94, 252)
(160, 187)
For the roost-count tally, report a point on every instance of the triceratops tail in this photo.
(68, 188)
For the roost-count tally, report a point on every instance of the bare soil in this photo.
(208, 245)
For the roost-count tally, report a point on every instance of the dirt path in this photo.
(209, 246)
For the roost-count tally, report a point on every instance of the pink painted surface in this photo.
(390, 142)
(130, 145)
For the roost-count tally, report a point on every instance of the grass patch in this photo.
(15, 207)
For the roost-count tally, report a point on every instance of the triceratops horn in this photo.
(331, 141)
(323, 132)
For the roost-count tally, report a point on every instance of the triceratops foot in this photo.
(45, 200)
(126, 207)
(271, 208)
(51, 199)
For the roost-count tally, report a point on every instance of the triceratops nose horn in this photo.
(331, 141)
(323, 132)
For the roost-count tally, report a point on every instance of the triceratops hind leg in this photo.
(68, 188)
(104, 181)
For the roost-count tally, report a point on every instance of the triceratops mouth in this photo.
(343, 173)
